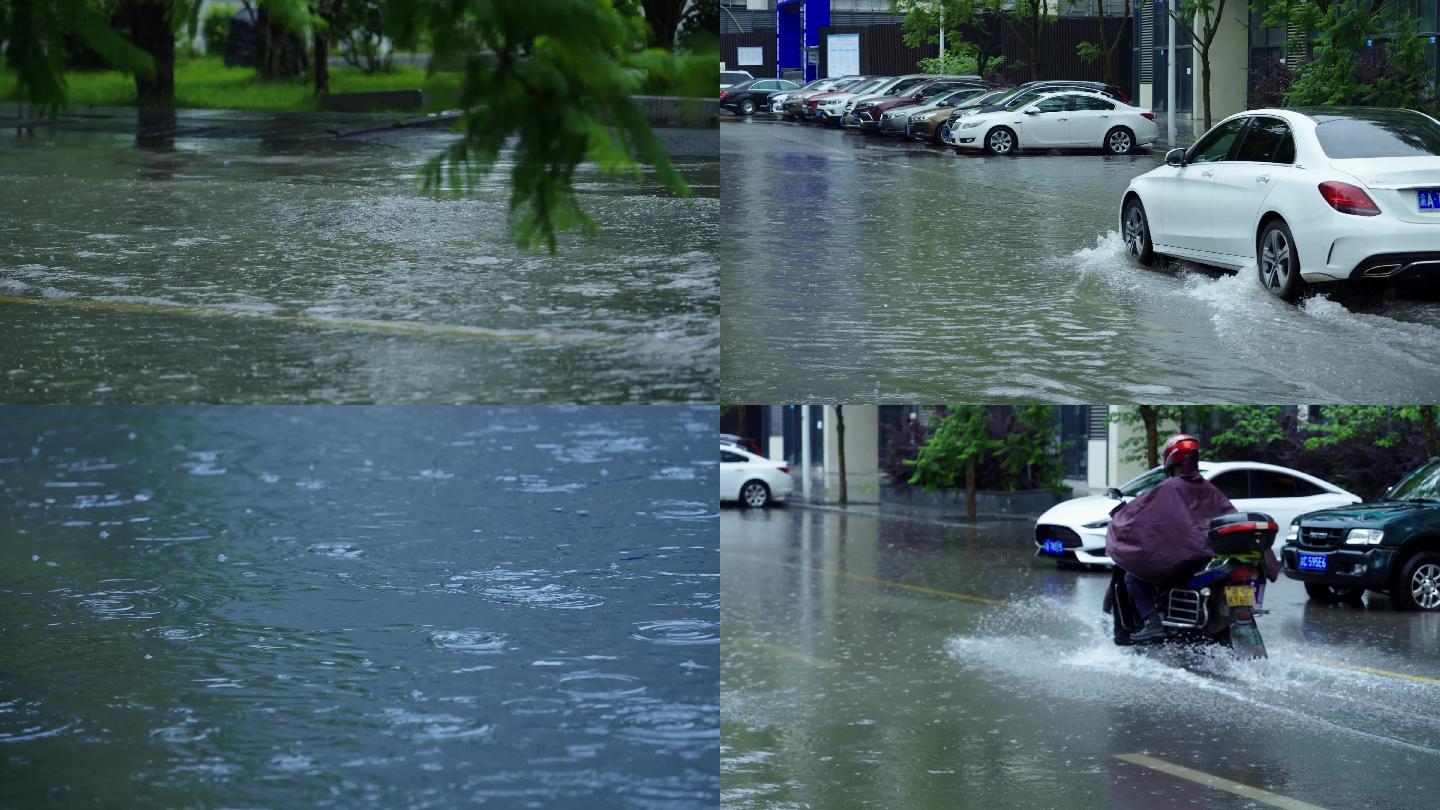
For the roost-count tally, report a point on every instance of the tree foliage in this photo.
(557, 75)
(1005, 448)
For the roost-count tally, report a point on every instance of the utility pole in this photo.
(805, 452)
(942, 33)
(1171, 96)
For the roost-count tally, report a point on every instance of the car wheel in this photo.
(1119, 141)
(1278, 263)
(1418, 587)
(1330, 594)
(1000, 141)
(755, 494)
(747, 107)
(1137, 232)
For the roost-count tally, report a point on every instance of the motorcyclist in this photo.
(1159, 538)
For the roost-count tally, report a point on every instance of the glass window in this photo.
(1423, 484)
(727, 456)
(1234, 483)
(1143, 483)
(1052, 104)
(1401, 133)
(1092, 103)
(1268, 484)
(1267, 141)
(1304, 489)
(900, 88)
(1216, 143)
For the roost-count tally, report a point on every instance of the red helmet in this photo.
(1181, 451)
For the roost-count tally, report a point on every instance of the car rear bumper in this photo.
(1347, 248)
(1368, 568)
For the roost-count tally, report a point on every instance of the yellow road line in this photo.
(781, 650)
(1374, 671)
(388, 327)
(964, 597)
(1201, 778)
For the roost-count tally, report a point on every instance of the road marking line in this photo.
(1374, 671)
(780, 649)
(1219, 783)
(390, 327)
(964, 597)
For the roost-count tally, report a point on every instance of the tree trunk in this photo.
(1107, 55)
(280, 54)
(663, 16)
(1151, 419)
(840, 434)
(1427, 430)
(1035, 41)
(1205, 79)
(322, 61)
(150, 31)
(970, 511)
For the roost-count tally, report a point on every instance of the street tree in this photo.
(663, 18)
(1201, 20)
(1104, 50)
(954, 451)
(940, 23)
(1351, 52)
(840, 443)
(1026, 19)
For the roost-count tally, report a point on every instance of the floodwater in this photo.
(892, 661)
(859, 268)
(252, 258)
(406, 607)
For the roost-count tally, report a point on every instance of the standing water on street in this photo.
(258, 258)
(340, 607)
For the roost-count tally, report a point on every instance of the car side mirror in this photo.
(1175, 157)
(1031, 111)
(1114, 494)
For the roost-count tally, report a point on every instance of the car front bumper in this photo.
(1367, 568)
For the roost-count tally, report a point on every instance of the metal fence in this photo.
(883, 50)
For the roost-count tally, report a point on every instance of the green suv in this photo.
(1392, 546)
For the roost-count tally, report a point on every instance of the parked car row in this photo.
(963, 112)
(1336, 545)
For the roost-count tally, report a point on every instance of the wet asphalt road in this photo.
(856, 267)
(898, 662)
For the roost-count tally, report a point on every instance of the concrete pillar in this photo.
(1229, 66)
(862, 454)
(775, 441)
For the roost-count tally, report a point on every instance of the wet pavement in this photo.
(889, 661)
(863, 268)
(343, 607)
(256, 257)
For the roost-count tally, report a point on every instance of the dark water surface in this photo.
(407, 607)
(251, 259)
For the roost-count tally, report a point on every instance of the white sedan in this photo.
(1063, 119)
(750, 479)
(1074, 531)
(1311, 194)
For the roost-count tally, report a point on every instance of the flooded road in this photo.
(246, 258)
(863, 269)
(890, 661)
(408, 607)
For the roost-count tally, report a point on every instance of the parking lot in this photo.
(855, 267)
(891, 659)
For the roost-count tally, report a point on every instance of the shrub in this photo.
(216, 28)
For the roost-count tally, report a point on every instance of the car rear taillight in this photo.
(724, 93)
(1148, 116)
(785, 470)
(1348, 199)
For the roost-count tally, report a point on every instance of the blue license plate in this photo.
(1313, 562)
(1429, 198)
(1052, 547)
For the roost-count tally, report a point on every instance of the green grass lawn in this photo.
(205, 83)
